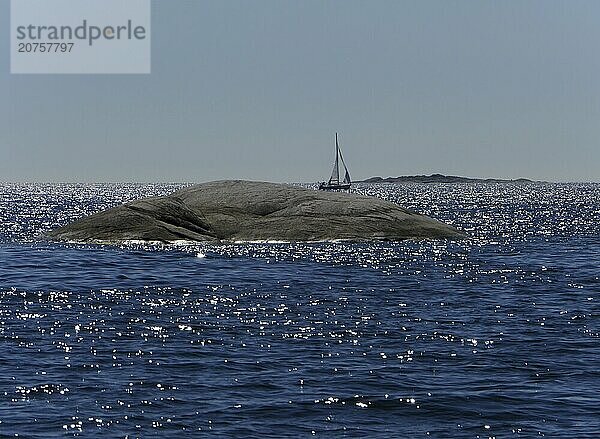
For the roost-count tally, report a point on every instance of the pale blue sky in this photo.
(256, 89)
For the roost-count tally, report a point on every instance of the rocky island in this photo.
(254, 211)
(440, 178)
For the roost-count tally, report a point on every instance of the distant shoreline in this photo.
(440, 178)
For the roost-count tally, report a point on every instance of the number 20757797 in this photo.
(45, 47)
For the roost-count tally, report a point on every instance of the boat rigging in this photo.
(334, 182)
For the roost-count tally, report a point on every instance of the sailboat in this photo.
(334, 181)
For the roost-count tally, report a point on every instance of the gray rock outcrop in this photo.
(254, 211)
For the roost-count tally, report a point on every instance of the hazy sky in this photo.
(256, 89)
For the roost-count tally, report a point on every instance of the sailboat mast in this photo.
(337, 160)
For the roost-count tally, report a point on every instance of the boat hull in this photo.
(333, 187)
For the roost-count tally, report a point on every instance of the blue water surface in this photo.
(497, 335)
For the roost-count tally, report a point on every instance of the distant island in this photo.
(440, 178)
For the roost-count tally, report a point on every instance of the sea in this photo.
(493, 336)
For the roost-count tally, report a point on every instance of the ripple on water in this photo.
(496, 335)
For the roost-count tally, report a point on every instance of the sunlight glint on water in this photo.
(496, 335)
